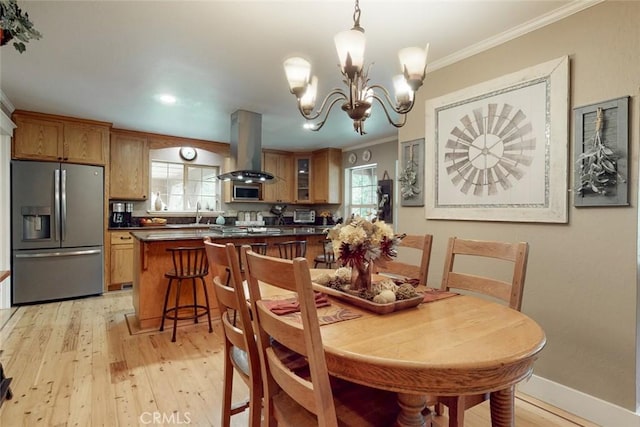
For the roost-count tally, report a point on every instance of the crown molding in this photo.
(5, 103)
(513, 33)
(370, 143)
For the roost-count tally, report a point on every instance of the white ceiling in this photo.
(108, 60)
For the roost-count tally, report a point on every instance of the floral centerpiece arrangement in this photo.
(358, 245)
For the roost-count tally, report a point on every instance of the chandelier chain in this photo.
(356, 16)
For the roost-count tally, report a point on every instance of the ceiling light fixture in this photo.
(167, 99)
(358, 99)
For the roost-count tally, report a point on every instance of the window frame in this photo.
(212, 204)
(349, 205)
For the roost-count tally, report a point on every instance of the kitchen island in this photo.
(151, 261)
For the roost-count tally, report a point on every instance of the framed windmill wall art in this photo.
(497, 151)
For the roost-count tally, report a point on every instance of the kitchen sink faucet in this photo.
(198, 216)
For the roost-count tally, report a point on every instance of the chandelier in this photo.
(357, 99)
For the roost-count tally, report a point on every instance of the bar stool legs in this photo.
(189, 264)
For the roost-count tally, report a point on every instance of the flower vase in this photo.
(158, 202)
(361, 276)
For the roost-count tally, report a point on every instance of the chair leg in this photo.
(164, 308)
(228, 386)
(206, 303)
(175, 317)
(195, 301)
(456, 412)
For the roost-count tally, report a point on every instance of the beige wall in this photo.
(383, 155)
(581, 282)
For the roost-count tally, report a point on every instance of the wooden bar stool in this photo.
(258, 247)
(188, 263)
(327, 257)
(292, 249)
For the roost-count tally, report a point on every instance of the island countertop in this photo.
(151, 260)
(177, 233)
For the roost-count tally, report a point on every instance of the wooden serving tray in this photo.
(370, 305)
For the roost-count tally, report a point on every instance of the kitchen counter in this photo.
(151, 260)
(168, 233)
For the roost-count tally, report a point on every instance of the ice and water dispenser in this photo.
(36, 222)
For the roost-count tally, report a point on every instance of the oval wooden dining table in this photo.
(459, 345)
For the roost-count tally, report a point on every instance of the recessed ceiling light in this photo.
(307, 125)
(167, 99)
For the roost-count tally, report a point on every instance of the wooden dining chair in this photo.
(311, 398)
(421, 245)
(240, 348)
(509, 292)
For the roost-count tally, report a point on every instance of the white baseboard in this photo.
(578, 403)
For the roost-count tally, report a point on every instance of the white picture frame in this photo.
(497, 151)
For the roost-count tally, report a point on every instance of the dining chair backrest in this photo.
(292, 249)
(508, 291)
(237, 328)
(314, 394)
(421, 244)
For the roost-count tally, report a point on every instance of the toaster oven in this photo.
(304, 216)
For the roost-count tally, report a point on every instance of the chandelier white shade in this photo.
(357, 100)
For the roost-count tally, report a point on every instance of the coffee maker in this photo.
(128, 214)
(117, 215)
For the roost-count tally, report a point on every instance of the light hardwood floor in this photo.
(75, 363)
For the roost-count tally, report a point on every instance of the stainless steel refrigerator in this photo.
(57, 231)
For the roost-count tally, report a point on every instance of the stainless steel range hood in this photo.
(246, 148)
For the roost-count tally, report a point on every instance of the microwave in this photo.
(304, 216)
(246, 192)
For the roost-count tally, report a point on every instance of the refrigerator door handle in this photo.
(63, 205)
(58, 254)
(56, 208)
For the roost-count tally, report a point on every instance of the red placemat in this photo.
(433, 294)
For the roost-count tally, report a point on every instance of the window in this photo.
(362, 185)
(181, 186)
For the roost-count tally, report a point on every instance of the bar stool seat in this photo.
(189, 263)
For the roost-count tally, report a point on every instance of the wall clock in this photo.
(188, 153)
(366, 155)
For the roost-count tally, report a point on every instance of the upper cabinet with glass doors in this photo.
(303, 178)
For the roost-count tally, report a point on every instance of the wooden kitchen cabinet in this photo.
(327, 172)
(57, 138)
(280, 164)
(120, 259)
(86, 143)
(129, 166)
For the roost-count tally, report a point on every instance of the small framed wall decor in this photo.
(601, 153)
(411, 175)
